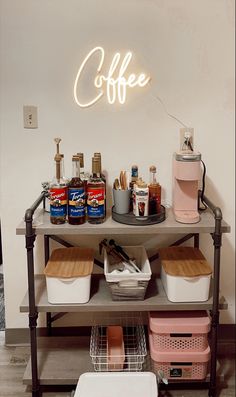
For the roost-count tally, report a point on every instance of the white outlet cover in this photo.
(190, 131)
(30, 116)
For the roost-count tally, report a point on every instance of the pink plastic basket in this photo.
(179, 331)
(180, 365)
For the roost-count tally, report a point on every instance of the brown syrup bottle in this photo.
(76, 195)
(95, 195)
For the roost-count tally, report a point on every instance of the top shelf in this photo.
(43, 226)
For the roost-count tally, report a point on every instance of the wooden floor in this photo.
(13, 362)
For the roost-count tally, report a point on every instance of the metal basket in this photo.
(134, 343)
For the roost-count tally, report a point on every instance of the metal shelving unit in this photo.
(46, 365)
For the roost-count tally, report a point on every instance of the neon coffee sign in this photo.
(114, 88)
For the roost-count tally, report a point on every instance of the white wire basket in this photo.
(134, 346)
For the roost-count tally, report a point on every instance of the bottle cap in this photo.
(75, 157)
(95, 165)
(153, 168)
(81, 160)
(97, 156)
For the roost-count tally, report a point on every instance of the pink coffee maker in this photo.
(186, 176)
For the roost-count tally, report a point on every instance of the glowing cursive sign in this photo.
(115, 88)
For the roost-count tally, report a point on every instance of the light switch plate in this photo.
(30, 115)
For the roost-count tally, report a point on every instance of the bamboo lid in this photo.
(70, 262)
(184, 261)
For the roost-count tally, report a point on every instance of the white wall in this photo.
(187, 46)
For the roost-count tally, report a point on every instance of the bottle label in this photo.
(76, 202)
(154, 202)
(58, 201)
(95, 202)
(141, 201)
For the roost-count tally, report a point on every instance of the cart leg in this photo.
(217, 237)
(196, 240)
(36, 392)
(214, 337)
(33, 314)
(46, 258)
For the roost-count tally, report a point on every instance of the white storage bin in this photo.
(117, 384)
(68, 275)
(130, 286)
(185, 274)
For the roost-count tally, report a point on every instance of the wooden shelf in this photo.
(101, 300)
(61, 360)
(43, 226)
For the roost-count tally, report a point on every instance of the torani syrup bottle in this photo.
(98, 156)
(76, 195)
(154, 192)
(58, 191)
(95, 195)
(84, 176)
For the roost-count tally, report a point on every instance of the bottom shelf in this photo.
(61, 361)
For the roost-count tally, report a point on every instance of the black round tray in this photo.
(131, 219)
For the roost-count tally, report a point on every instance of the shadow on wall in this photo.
(212, 194)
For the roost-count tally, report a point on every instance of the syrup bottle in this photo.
(58, 191)
(84, 176)
(154, 193)
(76, 195)
(98, 156)
(95, 195)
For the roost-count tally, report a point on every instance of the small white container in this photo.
(131, 286)
(117, 384)
(185, 274)
(68, 275)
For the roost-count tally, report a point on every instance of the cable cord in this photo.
(203, 188)
(166, 111)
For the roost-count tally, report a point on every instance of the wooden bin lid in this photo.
(70, 262)
(184, 261)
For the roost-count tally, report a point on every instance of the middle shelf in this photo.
(101, 300)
